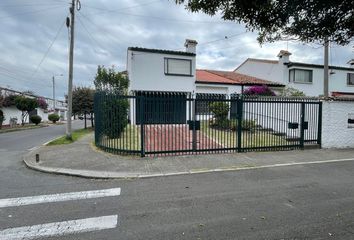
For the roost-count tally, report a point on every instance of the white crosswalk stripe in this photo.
(60, 228)
(59, 197)
(64, 227)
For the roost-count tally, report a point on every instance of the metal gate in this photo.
(173, 124)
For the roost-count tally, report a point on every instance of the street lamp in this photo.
(53, 78)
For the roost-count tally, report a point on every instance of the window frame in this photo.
(348, 79)
(177, 74)
(293, 71)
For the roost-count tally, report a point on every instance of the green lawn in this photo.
(77, 134)
(129, 140)
(255, 138)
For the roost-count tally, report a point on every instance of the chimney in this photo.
(283, 56)
(191, 46)
(351, 63)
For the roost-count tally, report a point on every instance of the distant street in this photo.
(296, 202)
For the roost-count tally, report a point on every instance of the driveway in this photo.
(175, 137)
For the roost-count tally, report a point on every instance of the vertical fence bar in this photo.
(319, 131)
(302, 133)
(142, 127)
(239, 122)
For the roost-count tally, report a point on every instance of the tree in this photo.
(26, 105)
(83, 102)
(113, 108)
(307, 21)
(1, 100)
(111, 80)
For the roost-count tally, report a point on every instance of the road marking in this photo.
(60, 228)
(59, 197)
(32, 149)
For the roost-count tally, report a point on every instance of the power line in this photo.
(89, 34)
(119, 9)
(30, 12)
(46, 53)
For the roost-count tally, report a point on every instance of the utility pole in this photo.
(71, 24)
(325, 70)
(53, 93)
(53, 78)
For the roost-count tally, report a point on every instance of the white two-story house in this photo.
(305, 77)
(155, 73)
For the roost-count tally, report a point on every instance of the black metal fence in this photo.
(177, 123)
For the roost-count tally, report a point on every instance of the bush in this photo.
(53, 117)
(42, 103)
(246, 125)
(220, 111)
(291, 92)
(263, 90)
(114, 115)
(35, 119)
(2, 118)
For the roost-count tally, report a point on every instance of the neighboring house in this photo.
(155, 72)
(13, 113)
(305, 77)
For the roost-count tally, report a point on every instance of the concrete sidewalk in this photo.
(83, 159)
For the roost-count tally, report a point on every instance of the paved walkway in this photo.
(83, 159)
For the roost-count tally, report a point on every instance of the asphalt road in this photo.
(296, 202)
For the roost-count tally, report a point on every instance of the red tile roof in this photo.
(232, 78)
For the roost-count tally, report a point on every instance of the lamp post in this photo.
(53, 78)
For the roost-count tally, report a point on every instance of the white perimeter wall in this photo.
(335, 130)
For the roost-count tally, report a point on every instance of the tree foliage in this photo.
(108, 79)
(25, 105)
(83, 100)
(113, 107)
(291, 92)
(304, 20)
(42, 103)
(9, 101)
(263, 90)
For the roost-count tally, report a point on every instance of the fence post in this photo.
(239, 122)
(142, 127)
(194, 136)
(302, 129)
(319, 131)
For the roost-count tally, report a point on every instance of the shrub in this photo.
(259, 90)
(53, 117)
(291, 92)
(220, 111)
(35, 119)
(2, 118)
(246, 125)
(42, 103)
(114, 115)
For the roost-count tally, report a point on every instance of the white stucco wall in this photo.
(12, 112)
(146, 73)
(218, 88)
(280, 73)
(335, 130)
(267, 71)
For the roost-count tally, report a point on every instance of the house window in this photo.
(300, 76)
(178, 67)
(350, 78)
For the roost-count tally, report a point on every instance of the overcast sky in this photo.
(34, 40)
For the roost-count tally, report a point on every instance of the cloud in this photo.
(106, 28)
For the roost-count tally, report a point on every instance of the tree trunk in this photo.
(92, 124)
(85, 120)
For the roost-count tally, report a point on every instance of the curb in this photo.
(116, 175)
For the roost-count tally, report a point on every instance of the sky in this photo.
(34, 43)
